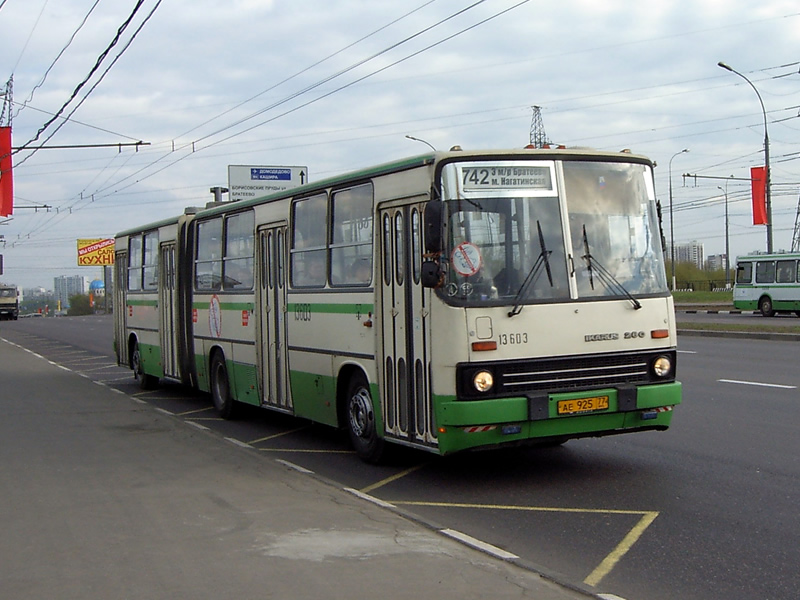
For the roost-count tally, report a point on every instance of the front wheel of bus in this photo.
(765, 306)
(145, 381)
(361, 421)
(220, 387)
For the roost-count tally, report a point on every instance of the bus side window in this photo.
(135, 263)
(765, 271)
(351, 235)
(786, 269)
(150, 264)
(239, 244)
(308, 254)
(208, 262)
(744, 272)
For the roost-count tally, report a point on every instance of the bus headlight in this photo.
(483, 381)
(662, 366)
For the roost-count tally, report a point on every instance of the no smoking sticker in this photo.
(466, 259)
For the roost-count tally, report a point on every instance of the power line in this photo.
(338, 74)
(77, 90)
(60, 54)
(194, 149)
(308, 68)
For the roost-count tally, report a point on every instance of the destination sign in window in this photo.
(487, 177)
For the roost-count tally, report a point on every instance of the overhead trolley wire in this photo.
(308, 68)
(294, 95)
(56, 59)
(85, 80)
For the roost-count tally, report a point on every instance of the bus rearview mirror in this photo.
(433, 226)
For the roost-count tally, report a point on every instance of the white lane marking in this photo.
(238, 443)
(369, 498)
(291, 465)
(772, 385)
(478, 544)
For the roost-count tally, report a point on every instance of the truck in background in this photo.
(9, 302)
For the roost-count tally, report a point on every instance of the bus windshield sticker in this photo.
(215, 316)
(466, 259)
(504, 178)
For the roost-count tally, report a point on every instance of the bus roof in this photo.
(767, 256)
(410, 163)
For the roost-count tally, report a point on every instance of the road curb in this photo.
(755, 335)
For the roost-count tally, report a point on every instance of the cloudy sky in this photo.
(336, 86)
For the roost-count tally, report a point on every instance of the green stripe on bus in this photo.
(131, 302)
(226, 305)
(340, 309)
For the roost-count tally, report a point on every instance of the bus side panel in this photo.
(314, 394)
(243, 372)
(325, 331)
(142, 324)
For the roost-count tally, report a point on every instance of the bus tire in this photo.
(145, 381)
(765, 306)
(220, 387)
(361, 423)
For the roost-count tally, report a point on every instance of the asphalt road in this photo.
(704, 511)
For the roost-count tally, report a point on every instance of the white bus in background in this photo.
(450, 301)
(769, 283)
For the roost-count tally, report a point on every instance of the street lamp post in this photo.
(727, 240)
(672, 220)
(766, 155)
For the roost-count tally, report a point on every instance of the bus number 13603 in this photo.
(509, 339)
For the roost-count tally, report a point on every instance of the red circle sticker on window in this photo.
(466, 259)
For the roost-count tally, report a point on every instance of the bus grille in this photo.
(554, 375)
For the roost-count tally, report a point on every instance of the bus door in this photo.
(405, 306)
(120, 305)
(271, 302)
(167, 327)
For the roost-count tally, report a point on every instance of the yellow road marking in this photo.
(277, 435)
(383, 482)
(599, 511)
(607, 564)
(306, 451)
(192, 412)
(610, 561)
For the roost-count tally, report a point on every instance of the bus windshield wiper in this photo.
(542, 260)
(604, 275)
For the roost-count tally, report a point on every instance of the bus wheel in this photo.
(361, 421)
(220, 387)
(765, 306)
(145, 381)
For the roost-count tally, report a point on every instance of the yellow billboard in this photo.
(95, 252)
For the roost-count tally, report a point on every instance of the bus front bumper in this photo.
(506, 421)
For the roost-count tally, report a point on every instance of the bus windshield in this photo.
(588, 230)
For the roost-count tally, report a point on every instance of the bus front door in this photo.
(271, 302)
(405, 306)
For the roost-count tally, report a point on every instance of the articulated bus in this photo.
(769, 283)
(451, 301)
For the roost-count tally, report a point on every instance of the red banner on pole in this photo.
(6, 174)
(758, 180)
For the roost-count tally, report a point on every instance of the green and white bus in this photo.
(769, 283)
(450, 301)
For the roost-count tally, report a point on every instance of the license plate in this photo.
(582, 405)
